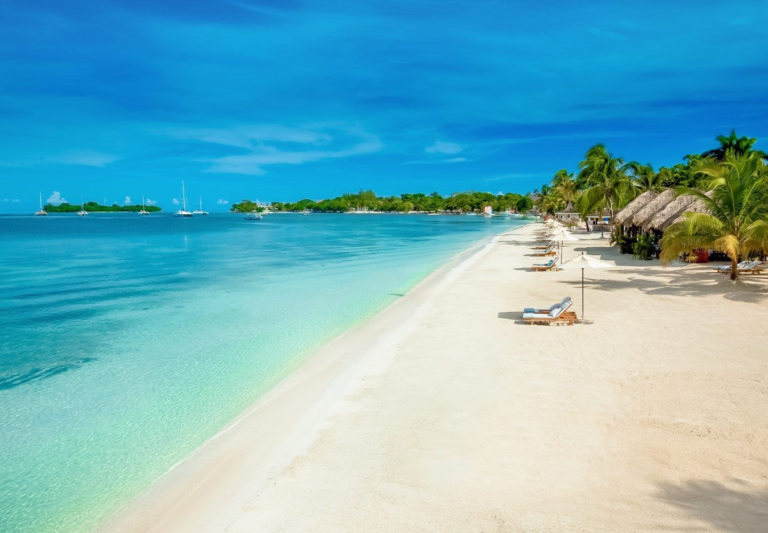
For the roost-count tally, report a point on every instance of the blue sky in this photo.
(283, 99)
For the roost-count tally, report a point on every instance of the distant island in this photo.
(95, 207)
(462, 202)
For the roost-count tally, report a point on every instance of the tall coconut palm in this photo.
(565, 186)
(547, 200)
(644, 178)
(605, 176)
(737, 221)
(561, 176)
(733, 144)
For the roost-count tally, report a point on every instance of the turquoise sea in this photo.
(127, 341)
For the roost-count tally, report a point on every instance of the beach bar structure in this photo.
(569, 215)
(597, 219)
(652, 212)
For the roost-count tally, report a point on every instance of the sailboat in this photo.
(82, 211)
(42, 212)
(143, 208)
(183, 211)
(200, 211)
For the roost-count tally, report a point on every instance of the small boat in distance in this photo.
(183, 211)
(82, 211)
(143, 208)
(252, 216)
(42, 212)
(200, 211)
(305, 213)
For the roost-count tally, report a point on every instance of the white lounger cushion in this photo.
(565, 301)
(555, 311)
(740, 265)
(550, 263)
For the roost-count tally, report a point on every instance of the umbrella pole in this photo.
(582, 295)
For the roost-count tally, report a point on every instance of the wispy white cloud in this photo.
(127, 200)
(438, 161)
(88, 158)
(252, 164)
(441, 147)
(222, 201)
(251, 137)
(265, 155)
(175, 201)
(270, 144)
(15, 201)
(149, 201)
(56, 199)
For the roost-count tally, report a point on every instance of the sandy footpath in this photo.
(447, 413)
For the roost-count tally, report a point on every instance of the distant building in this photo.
(596, 219)
(568, 215)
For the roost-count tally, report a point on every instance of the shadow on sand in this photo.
(737, 510)
(692, 280)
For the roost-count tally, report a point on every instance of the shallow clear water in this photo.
(127, 341)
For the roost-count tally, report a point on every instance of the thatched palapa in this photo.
(634, 206)
(664, 217)
(696, 206)
(651, 208)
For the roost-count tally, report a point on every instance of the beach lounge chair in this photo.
(542, 253)
(727, 269)
(549, 266)
(559, 315)
(755, 267)
(564, 301)
(543, 246)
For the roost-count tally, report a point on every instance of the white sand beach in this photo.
(447, 413)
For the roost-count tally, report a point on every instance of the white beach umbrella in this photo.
(557, 232)
(561, 234)
(586, 261)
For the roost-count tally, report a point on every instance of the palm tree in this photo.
(735, 144)
(737, 221)
(608, 185)
(645, 178)
(565, 186)
(561, 176)
(547, 200)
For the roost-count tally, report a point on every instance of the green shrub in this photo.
(644, 248)
(624, 243)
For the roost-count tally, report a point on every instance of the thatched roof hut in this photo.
(674, 211)
(634, 206)
(569, 210)
(651, 208)
(696, 206)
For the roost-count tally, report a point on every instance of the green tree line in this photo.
(95, 207)
(461, 202)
